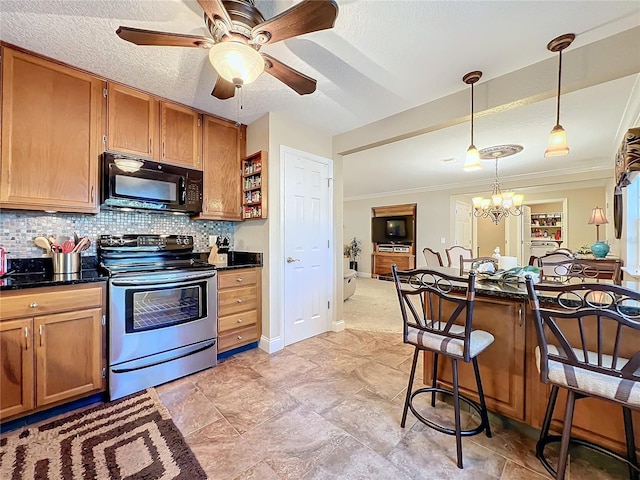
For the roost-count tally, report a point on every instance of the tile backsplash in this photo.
(19, 228)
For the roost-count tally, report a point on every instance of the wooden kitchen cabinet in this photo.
(133, 122)
(502, 364)
(382, 261)
(181, 135)
(52, 119)
(223, 149)
(53, 347)
(239, 307)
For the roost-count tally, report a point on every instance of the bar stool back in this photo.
(584, 346)
(423, 294)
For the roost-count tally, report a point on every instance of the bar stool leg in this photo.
(483, 405)
(566, 435)
(409, 388)
(433, 379)
(546, 423)
(456, 411)
(631, 443)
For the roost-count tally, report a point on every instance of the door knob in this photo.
(292, 260)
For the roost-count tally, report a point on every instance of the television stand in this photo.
(401, 253)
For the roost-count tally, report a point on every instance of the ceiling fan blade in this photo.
(223, 89)
(290, 77)
(215, 8)
(163, 39)
(304, 17)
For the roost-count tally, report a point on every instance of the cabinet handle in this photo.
(163, 151)
(26, 338)
(92, 193)
(520, 315)
(239, 320)
(239, 337)
(239, 300)
(150, 147)
(41, 335)
(239, 279)
(33, 305)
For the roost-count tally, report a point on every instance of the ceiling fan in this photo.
(239, 31)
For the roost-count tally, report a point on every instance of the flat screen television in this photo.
(397, 229)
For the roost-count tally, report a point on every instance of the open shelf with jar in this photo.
(546, 226)
(254, 186)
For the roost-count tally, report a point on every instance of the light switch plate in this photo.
(443, 240)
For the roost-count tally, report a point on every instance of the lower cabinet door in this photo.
(68, 355)
(237, 338)
(16, 372)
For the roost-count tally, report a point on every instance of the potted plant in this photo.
(352, 251)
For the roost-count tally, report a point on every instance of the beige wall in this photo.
(269, 133)
(489, 237)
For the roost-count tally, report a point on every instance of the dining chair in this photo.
(454, 253)
(437, 313)
(554, 267)
(468, 264)
(587, 345)
(432, 257)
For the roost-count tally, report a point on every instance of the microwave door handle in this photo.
(183, 191)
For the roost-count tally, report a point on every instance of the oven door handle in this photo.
(155, 279)
(209, 345)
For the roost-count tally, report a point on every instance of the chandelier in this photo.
(500, 204)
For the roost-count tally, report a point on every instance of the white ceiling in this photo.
(381, 58)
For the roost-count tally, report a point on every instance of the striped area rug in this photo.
(133, 438)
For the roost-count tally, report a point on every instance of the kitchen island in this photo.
(510, 378)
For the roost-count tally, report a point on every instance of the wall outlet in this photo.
(443, 240)
(212, 240)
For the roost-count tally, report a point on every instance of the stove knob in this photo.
(111, 241)
(178, 241)
(122, 241)
(187, 240)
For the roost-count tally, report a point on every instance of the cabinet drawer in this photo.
(50, 301)
(238, 320)
(235, 300)
(237, 338)
(237, 278)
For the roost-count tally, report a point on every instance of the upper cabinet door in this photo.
(133, 123)
(181, 134)
(224, 146)
(51, 135)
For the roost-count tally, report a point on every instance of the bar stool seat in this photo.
(424, 295)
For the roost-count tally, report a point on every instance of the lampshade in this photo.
(558, 138)
(236, 62)
(598, 217)
(557, 143)
(472, 161)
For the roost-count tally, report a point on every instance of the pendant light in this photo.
(558, 139)
(472, 161)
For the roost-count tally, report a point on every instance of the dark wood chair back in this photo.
(433, 302)
(454, 253)
(588, 326)
(432, 257)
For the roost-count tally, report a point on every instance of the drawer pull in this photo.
(239, 300)
(33, 305)
(26, 338)
(239, 279)
(239, 320)
(41, 335)
(239, 337)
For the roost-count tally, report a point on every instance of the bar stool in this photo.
(424, 295)
(586, 345)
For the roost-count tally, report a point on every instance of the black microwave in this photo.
(130, 182)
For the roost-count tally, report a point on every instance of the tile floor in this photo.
(329, 408)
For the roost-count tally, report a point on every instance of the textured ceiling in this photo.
(381, 58)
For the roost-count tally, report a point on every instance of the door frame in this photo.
(331, 285)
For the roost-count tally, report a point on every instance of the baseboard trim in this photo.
(271, 345)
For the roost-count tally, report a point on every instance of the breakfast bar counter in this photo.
(510, 378)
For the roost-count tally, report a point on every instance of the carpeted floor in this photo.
(132, 438)
(373, 307)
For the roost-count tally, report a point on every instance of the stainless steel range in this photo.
(162, 310)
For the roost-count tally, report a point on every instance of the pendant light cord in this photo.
(472, 114)
(559, 82)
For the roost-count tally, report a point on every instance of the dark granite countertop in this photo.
(236, 259)
(38, 272)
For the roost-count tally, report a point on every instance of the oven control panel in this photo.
(141, 242)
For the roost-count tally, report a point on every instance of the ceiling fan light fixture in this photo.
(236, 62)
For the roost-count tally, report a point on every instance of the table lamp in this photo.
(599, 249)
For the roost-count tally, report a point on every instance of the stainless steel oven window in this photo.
(137, 187)
(155, 308)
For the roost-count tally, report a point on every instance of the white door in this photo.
(463, 225)
(308, 250)
(523, 239)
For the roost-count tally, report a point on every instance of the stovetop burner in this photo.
(121, 254)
